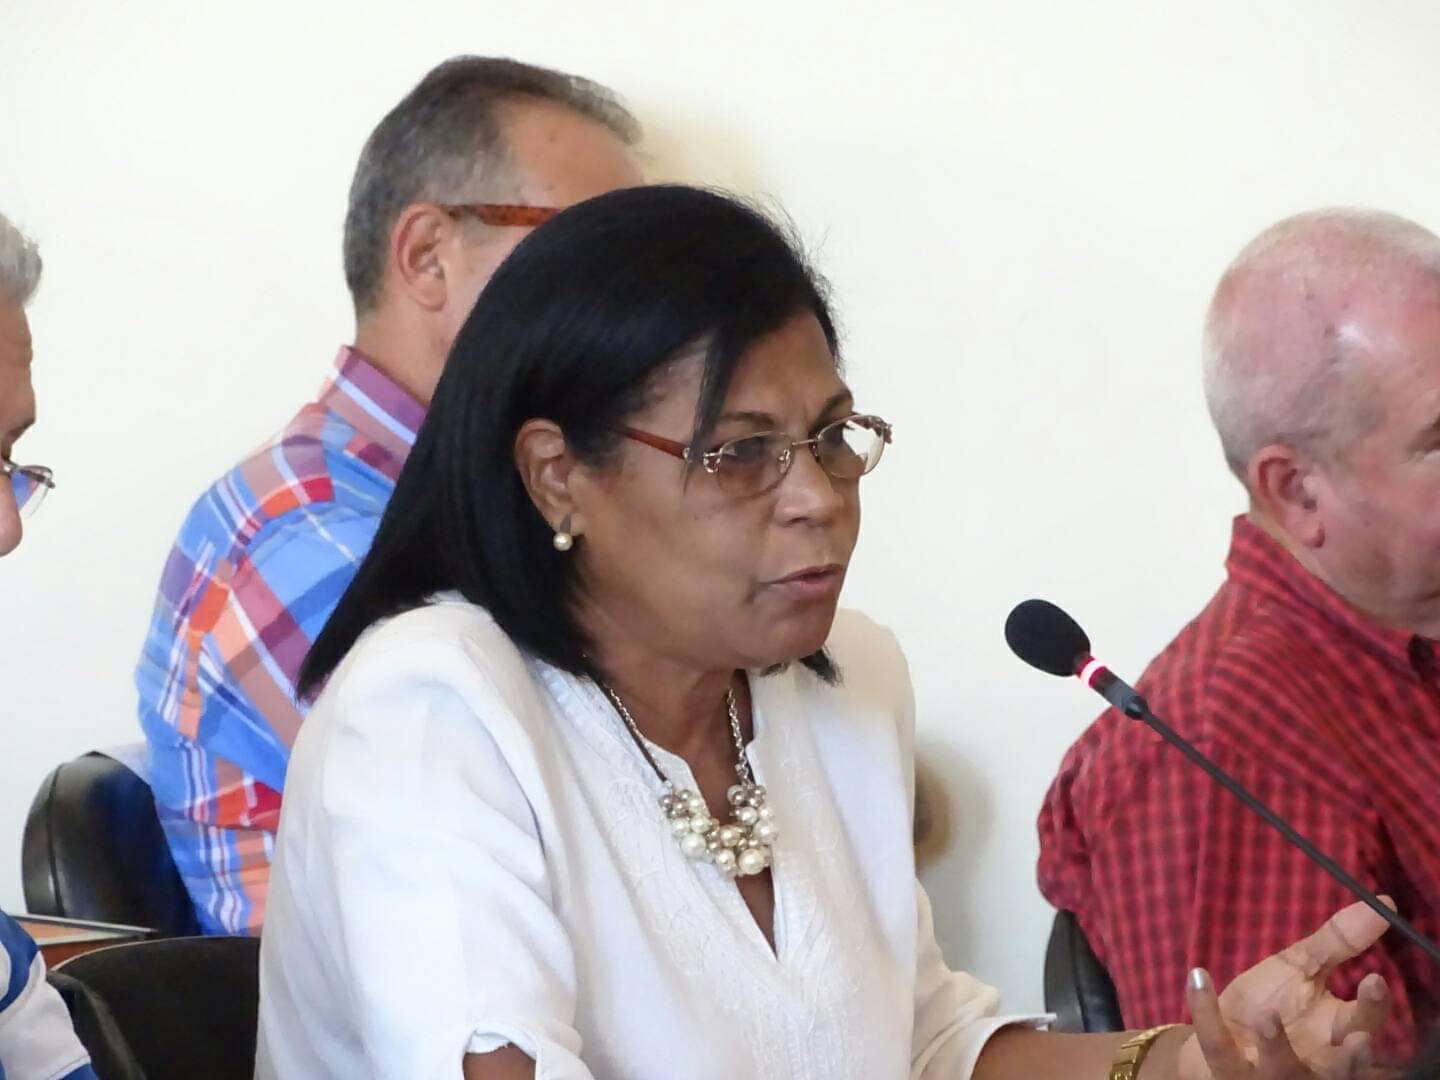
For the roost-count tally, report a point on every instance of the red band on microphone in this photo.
(1088, 673)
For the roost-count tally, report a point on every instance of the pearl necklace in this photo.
(742, 846)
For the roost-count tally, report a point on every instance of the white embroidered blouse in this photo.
(471, 854)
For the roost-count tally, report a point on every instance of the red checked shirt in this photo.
(1332, 720)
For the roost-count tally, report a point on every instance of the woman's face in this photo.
(697, 574)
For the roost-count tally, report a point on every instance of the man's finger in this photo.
(1367, 1013)
(1217, 1044)
(1345, 935)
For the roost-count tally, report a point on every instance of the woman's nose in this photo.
(808, 491)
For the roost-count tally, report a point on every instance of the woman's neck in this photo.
(678, 704)
(678, 708)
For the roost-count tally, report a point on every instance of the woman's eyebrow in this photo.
(762, 419)
(765, 419)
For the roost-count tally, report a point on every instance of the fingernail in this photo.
(1199, 979)
(1269, 1028)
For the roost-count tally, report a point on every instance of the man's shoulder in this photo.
(1240, 673)
(1258, 661)
(295, 466)
(295, 485)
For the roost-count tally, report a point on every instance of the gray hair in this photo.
(1284, 340)
(445, 143)
(20, 263)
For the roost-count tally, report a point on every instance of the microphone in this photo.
(1045, 637)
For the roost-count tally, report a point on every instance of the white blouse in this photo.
(471, 854)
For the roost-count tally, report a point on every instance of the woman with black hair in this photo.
(600, 782)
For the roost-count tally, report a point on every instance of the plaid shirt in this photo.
(1331, 720)
(259, 565)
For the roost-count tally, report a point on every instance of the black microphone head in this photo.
(1045, 637)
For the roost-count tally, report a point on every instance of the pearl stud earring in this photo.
(563, 540)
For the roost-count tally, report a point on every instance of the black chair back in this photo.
(93, 848)
(173, 1007)
(1078, 989)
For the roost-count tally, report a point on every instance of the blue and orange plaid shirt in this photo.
(260, 563)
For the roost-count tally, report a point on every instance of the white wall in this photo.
(1022, 206)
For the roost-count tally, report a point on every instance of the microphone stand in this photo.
(1137, 708)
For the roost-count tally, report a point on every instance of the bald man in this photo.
(1313, 674)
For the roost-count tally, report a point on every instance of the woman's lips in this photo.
(814, 583)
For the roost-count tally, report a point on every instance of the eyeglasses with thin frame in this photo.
(846, 449)
(502, 214)
(29, 484)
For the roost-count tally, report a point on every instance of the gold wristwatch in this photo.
(1126, 1065)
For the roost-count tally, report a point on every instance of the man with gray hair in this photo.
(479, 152)
(22, 487)
(36, 1038)
(1313, 675)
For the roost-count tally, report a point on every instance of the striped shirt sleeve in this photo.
(37, 1041)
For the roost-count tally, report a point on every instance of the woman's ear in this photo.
(546, 466)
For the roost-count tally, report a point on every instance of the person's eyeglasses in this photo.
(846, 449)
(29, 483)
(503, 213)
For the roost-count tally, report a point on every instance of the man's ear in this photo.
(1290, 490)
(419, 242)
(546, 467)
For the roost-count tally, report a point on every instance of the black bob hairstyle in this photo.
(574, 327)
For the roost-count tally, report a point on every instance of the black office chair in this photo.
(1078, 989)
(173, 1007)
(93, 848)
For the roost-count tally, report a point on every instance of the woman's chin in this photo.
(794, 641)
